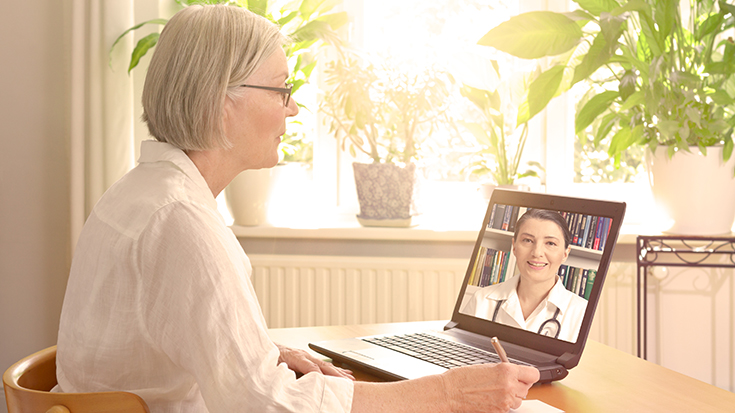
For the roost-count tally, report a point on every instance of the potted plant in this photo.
(381, 113)
(310, 24)
(502, 130)
(663, 76)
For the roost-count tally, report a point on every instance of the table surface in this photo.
(606, 379)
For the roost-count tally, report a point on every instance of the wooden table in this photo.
(606, 379)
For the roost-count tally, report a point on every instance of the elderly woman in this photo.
(159, 301)
(536, 299)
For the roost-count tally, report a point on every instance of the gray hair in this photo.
(203, 55)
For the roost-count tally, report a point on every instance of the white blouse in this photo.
(571, 308)
(159, 302)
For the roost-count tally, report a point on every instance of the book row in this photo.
(588, 231)
(492, 267)
(577, 280)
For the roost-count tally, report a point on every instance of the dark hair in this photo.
(546, 215)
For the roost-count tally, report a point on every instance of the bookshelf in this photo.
(581, 264)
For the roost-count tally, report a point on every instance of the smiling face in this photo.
(255, 121)
(539, 251)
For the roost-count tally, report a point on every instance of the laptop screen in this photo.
(538, 267)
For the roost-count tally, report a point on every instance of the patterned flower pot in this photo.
(387, 194)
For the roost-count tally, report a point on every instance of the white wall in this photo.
(34, 174)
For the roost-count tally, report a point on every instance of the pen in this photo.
(499, 349)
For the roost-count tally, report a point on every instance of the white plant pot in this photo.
(695, 192)
(247, 197)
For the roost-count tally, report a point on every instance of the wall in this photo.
(34, 175)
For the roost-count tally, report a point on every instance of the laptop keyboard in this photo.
(436, 350)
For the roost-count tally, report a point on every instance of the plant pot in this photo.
(696, 192)
(247, 197)
(387, 194)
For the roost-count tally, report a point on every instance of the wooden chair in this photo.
(27, 384)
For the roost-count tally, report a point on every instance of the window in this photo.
(434, 31)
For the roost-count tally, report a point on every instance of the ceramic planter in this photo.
(387, 194)
(247, 197)
(696, 192)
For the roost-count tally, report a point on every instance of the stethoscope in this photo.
(550, 327)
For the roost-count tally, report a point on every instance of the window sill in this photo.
(346, 227)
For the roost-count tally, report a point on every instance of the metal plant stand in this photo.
(674, 251)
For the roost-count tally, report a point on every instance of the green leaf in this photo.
(308, 7)
(597, 6)
(708, 26)
(635, 99)
(606, 125)
(316, 30)
(478, 132)
(533, 35)
(727, 149)
(655, 43)
(258, 7)
(624, 139)
(668, 129)
(594, 108)
(721, 97)
(665, 13)
(729, 8)
(334, 20)
(617, 143)
(287, 18)
(627, 85)
(598, 54)
(541, 90)
(136, 27)
(142, 48)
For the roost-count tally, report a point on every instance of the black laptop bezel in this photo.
(568, 353)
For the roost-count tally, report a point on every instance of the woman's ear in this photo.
(566, 253)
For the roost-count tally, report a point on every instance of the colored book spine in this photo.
(590, 237)
(590, 282)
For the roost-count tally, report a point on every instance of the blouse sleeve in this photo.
(201, 311)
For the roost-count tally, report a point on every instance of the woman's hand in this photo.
(488, 387)
(301, 361)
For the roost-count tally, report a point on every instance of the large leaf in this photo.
(634, 99)
(593, 108)
(335, 20)
(259, 7)
(540, 92)
(627, 84)
(142, 48)
(316, 29)
(597, 6)
(533, 35)
(136, 27)
(599, 54)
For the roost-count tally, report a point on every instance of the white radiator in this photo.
(303, 291)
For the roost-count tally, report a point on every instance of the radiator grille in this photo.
(304, 291)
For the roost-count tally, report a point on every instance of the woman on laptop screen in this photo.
(535, 299)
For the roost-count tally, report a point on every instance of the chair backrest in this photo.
(27, 384)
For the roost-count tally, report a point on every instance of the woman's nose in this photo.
(537, 250)
(293, 108)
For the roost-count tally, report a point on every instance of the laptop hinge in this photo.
(450, 325)
(568, 360)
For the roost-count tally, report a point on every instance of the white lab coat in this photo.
(571, 308)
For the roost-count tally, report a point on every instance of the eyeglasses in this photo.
(285, 90)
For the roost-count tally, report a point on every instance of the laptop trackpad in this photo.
(389, 360)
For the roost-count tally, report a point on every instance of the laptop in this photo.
(594, 226)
